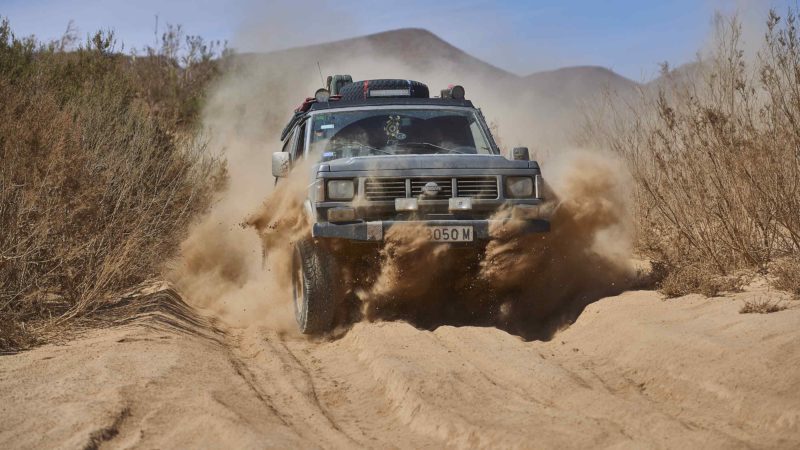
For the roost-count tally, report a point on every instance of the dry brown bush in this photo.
(172, 78)
(714, 148)
(787, 275)
(678, 282)
(96, 191)
(761, 306)
(13, 335)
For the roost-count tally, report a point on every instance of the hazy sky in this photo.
(630, 37)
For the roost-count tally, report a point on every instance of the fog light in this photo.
(341, 215)
(526, 212)
(460, 204)
(406, 204)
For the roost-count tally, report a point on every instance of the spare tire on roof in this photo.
(362, 90)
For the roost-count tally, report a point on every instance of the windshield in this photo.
(345, 134)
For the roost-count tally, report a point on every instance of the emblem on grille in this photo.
(431, 189)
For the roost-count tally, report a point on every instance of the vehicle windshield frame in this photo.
(485, 132)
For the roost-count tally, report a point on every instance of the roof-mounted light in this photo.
(322, 95)
(457, 92)
(390, 93)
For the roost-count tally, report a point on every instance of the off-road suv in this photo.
(386, 154)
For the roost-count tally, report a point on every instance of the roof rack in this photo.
(342, 88)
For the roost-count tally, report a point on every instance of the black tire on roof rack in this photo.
(360, 90)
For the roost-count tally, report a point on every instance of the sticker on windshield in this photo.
(392, 129)
(326, 127)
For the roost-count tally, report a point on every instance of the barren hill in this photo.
(417, 49)
(579, 81)
(420, 50)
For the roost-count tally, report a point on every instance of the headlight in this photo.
(341, 189)
(519, 187)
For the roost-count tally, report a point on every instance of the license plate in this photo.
(450, 234)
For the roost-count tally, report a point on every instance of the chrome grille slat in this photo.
(477, 187)
(384, 189)
(387, 189)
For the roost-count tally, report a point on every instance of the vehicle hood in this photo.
(402, 162)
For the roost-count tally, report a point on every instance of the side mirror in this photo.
(281, 163)
(520, 154)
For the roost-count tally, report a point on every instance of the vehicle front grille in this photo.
(477, 187)
(377, 189)
(387, 189)
(445, 186)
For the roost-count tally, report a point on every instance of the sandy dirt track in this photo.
(634, 371)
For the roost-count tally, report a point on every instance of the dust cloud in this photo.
(545, 281)
(221, 267)
(530, 285)
(236, 262)
(221, 271)
(281, 221)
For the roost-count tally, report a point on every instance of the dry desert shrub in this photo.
(96, 189)
(787, 275)
(13, 335)
(714, 148)
(761, 306)
(678, 282)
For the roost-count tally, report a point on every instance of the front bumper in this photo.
(376, 230)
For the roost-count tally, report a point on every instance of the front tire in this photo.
(313, 289)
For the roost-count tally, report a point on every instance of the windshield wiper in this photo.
(448, 150)
(365, 146)
(376, 149)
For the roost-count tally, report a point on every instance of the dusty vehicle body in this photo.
(397, 158)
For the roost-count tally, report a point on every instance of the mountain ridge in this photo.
(405, 43)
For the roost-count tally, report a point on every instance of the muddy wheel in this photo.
(313, 287)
